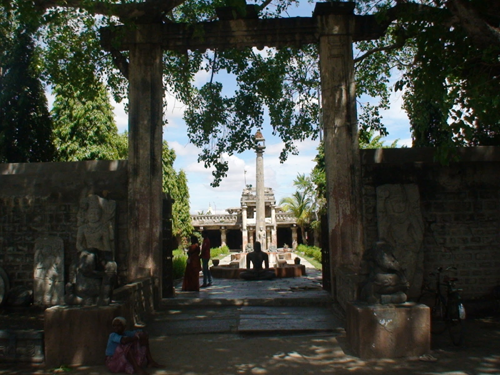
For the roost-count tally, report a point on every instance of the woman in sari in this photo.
(191, 280)
(128, 351)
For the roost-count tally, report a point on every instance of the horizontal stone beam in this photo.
(238, 33)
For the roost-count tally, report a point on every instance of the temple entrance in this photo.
(284, 237)
(233, 240)
(214, 237)
(333, 27)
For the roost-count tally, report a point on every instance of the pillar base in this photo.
(388, 331)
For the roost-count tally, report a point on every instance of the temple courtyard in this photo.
(284, 326)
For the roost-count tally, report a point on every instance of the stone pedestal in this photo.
(388, 331)
(21, 345)
(78, 335)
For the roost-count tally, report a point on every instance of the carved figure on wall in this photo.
(49, 271)
(386, 282)
(400, 224)
(95, 268)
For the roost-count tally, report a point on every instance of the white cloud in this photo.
(277, 176)
(121, 117)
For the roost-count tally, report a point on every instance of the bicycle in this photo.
(447, 313)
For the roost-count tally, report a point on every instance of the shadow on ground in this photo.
(309, 353)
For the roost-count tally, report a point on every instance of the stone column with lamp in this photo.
(260, 225)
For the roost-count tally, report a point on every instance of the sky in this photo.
(278, 176)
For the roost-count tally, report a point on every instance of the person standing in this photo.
(191, 280)
(205, 258)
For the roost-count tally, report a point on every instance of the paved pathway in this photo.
(265, 328)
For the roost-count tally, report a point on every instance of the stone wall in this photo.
(459, 205)
(42, 199)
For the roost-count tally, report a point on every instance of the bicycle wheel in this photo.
(438, 315)
(455, 323)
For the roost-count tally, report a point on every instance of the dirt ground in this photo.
(318, 353)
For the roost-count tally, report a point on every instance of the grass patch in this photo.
(219, 252)
(179, 261)
(312, 254)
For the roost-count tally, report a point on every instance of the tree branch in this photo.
(482, 27)
(475, 24)
(120, 62)
(379, 49)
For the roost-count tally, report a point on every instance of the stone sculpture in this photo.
(386, 282)
(256, 258)
(400, 224)
(49, 271)
(95, 269)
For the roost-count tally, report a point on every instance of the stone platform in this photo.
(231, 272)
(78, 335)
(388, 331)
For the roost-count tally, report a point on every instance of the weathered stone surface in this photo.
(21, 345)
(386, 281)
(49, 271)
(388, 331)
(95, 272)
(400, 224)
(41, 199)
(78, 335)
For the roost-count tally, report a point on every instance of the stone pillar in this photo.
(268, 237)
(250, 236)
(144, 158)
(260, 223)
(274, 236)
(244, 231)
(223, 233)
(343, 172)
(294, 234)
(274, 232)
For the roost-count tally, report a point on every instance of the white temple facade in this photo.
(237, 228)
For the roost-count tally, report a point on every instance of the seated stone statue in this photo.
(386, 282)
(257, 257)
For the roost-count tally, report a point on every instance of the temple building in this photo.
(237, 228)
(257, 219)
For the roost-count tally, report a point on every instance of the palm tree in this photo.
(308, 186)
(300, 205)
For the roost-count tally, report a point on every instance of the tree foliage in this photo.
(25, 123)
(300, 205)
(84, 126)
(447, 53)
(175, 184)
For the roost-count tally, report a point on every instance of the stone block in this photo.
(388, 331)
(347, 281)
(78, 335)
(21, 346)
(290, 271)
(225, 272)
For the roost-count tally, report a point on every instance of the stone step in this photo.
(243, 320)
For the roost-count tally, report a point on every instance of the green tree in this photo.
(84, 126)
(306, 185)
(318, 176)
(175, 184)
(299, 204)
(448, 53)
(25, 123)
